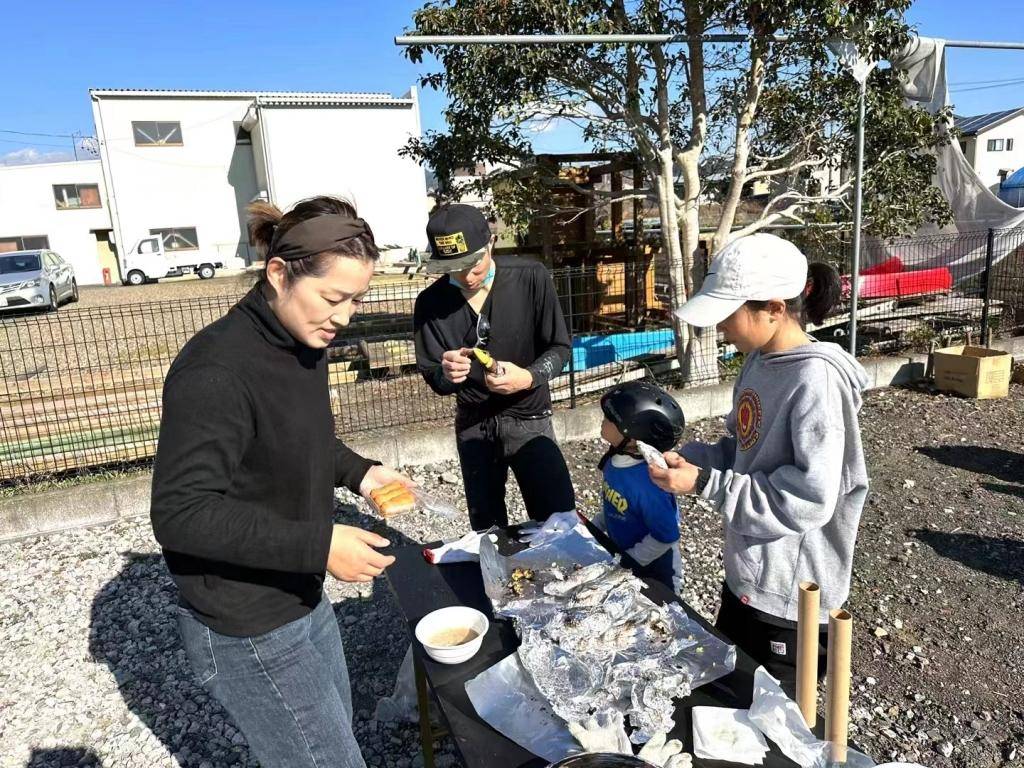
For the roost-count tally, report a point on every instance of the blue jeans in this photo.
(287, 690)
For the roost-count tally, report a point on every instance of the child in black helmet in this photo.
(638, 516)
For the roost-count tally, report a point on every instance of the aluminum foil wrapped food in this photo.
(591, 641)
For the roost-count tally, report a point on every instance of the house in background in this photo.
(60, 206)
(185, 164)
(993, 144)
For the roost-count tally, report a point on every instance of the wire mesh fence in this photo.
(81, 388)
(919, 293)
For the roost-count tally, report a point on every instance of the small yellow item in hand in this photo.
(488, 362)
(484, 357)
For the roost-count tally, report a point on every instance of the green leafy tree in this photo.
(757, 112)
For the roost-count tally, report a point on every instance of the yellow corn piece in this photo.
(484, 357)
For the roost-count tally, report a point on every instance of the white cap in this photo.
(757, 267)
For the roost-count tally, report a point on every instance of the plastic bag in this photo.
(401, 705)
(779, 718)
(422, 500)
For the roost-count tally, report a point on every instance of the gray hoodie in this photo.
(790, 479)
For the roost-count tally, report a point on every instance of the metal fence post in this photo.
(572, 351)
(986, 334)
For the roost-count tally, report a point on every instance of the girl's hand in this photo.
(680, 477)
(379, 476)
(352, 556)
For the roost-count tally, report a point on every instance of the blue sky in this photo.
(62, 49)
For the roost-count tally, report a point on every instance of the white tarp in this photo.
(975, 207)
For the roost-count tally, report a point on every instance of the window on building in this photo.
(479, 169)
(24, 243)
(963, 147)
(178, 238)
(156, 134)
(1009, 144)
(68, 196)
(995, 145)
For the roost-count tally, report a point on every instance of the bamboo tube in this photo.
(807, 651)
(837, 708)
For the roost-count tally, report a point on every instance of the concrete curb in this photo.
(102, 504)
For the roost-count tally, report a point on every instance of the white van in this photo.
(148, 261)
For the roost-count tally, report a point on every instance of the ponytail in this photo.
(824, 292)
(263, 220)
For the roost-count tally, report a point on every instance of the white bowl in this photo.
(455, 617)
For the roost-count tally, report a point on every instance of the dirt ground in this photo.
(937, 596)
(227, 283)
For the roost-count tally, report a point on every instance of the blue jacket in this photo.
(642, 520)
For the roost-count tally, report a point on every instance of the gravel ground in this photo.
(92, 672)
(227, 283)
(233, 283)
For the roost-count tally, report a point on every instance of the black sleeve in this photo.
(552, 335)
(349, 467)
(429, 349)
(206, 427)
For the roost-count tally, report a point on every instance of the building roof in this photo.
(974, 124)
(268, 98)
(1015, 181)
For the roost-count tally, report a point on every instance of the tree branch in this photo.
(764, 174)
(752, 93)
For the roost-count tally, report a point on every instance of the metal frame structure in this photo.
(620, 39)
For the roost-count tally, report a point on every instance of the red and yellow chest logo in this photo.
(748, 419)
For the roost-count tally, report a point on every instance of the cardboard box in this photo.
(973, 371)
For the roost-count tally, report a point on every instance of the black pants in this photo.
(770, 641)
(488, 448)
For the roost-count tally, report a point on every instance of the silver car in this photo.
(40, 279)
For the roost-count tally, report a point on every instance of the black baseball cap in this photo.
(457, 233)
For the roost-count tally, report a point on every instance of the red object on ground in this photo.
(887, 267)
(106, 276)
(902, 284)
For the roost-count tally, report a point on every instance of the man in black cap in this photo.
(505, 307)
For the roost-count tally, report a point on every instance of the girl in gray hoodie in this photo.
(789, 479)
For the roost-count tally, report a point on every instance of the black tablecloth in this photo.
(421, 587)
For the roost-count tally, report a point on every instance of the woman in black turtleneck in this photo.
(243, 490)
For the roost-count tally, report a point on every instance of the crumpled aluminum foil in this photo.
(591, 641)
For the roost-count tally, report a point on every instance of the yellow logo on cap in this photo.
(451, 245)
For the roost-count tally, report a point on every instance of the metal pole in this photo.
(984, 44)
(572, 348)
(74, 146)
(986, 339)
(613, 39)
(857, 218)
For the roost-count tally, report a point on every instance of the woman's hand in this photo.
(512, 379)
(680, 477)
(352, 556)
(379, 476)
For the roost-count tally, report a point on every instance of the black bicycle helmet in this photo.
(644, 411)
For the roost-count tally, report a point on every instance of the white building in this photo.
(61, 206)
(993, 144)
(184, 164)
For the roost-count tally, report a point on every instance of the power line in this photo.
(989, 87)
(50, 135)
(34, 144)
(985, 82)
